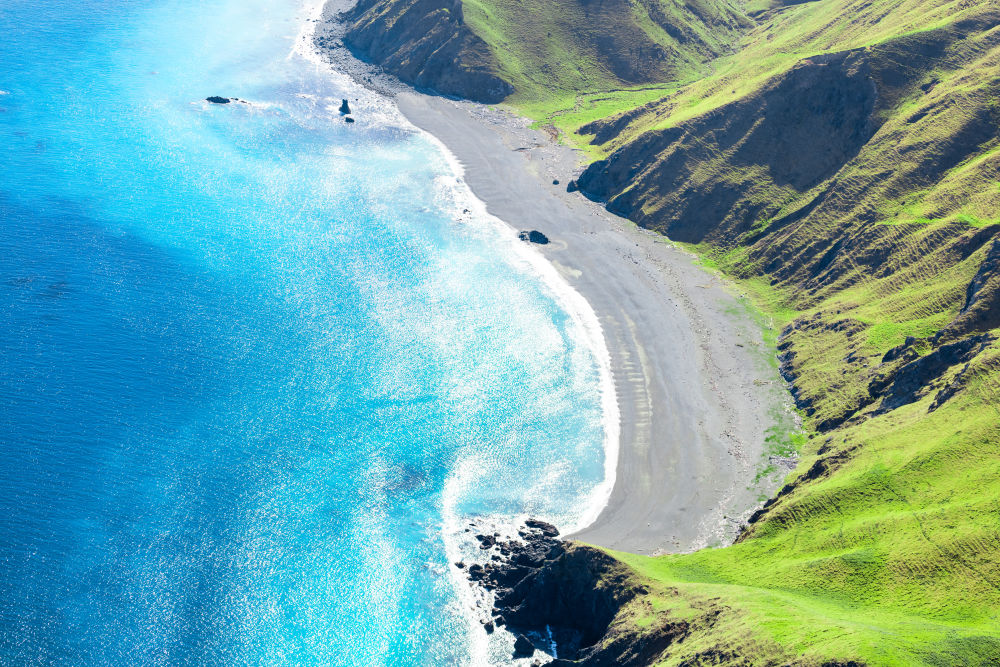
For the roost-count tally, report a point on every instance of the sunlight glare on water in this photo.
(248, 350)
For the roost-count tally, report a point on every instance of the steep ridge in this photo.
(425, 43)
(487, 50)
(852, 175)
(857, 193)
(561, 47)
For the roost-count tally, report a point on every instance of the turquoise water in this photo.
(258, 366)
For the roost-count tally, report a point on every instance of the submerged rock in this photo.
(534, 236)
(215, 99)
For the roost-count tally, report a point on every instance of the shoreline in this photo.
(694, 389)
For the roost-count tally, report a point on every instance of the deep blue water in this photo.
(257, 368)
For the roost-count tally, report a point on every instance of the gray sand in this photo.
(693, 380)
(694, 385)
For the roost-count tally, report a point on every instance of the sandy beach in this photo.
(695, 390)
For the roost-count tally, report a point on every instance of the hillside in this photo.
(839, 159)
(856, 192)
(539, 52)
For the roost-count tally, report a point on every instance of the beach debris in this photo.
(533, 236)
(215, 99)
(345, 108)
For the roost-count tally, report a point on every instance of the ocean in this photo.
(260, 368)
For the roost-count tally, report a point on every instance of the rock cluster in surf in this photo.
(545, 591)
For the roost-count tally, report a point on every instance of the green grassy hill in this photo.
(553, 51)
(840, 159)
(846, 169)
(542, 55)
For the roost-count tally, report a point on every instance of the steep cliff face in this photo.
(582, 604)
(800, 146)
(563, 47)
(425, 43)
(718, 173)
(487, 50)
(849, 177)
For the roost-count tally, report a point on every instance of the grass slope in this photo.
(567, 55)
(783, 37)
(890, 557)
(883, 260)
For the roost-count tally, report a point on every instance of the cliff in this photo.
(849, 169)
(427, 44)
(489, 50)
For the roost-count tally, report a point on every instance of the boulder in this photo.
(215, 99)
(523, 647)
(547, 529)
(345, 108)
(533, 236)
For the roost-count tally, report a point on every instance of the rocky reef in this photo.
(563, 598)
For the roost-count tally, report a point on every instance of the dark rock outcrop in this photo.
(981, 310)
(523, 647)
(215, 99)
(533, 236)
(345, 108)
(545, 528)
(542, 585)
(426, 44)
(913, 380)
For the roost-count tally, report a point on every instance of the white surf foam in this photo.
(586, 325)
